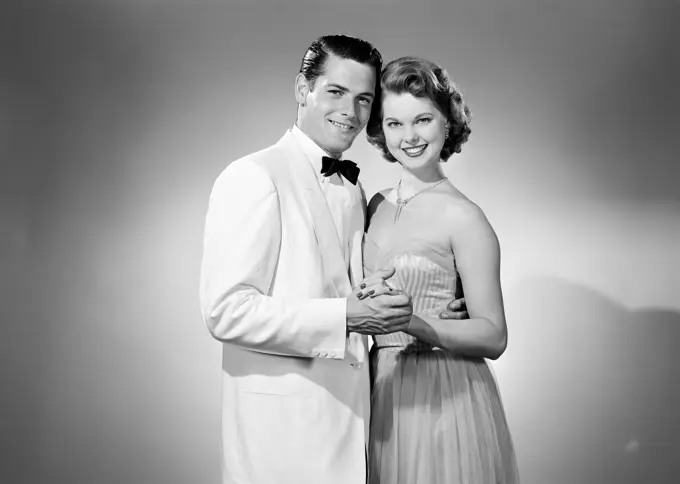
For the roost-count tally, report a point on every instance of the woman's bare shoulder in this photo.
(464, 216)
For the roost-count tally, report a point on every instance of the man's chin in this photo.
(340, 146)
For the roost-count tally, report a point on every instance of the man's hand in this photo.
(387, 313)
(376, 285)
(456, 309)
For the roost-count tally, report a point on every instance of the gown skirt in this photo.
(436, 418)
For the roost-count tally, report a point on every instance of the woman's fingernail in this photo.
(363, 286)
(359, 295)
(371, 292)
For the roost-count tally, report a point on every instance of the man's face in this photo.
(338, 107)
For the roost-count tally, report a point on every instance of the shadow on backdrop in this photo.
(599, 387)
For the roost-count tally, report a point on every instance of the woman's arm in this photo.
(477, 253)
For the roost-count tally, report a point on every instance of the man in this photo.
(282, 248)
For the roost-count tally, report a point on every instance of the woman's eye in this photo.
(424, 120)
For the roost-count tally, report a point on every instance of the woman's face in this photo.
(415, 129)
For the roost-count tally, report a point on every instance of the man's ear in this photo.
(302, 89)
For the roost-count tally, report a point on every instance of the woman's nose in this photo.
(410, 135)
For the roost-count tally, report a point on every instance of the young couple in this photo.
(298, 272)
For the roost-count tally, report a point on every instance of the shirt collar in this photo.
(313, 151)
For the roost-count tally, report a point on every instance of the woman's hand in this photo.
(376, 284)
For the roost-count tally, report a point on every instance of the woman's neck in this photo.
(414, 180)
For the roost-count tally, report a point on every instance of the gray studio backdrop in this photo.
(116, 117)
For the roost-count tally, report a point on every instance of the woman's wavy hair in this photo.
(424, 79)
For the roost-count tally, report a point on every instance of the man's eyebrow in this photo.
(344, 89)
(338, 86)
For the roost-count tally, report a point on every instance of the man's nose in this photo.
(349, 108)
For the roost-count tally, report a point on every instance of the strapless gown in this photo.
(435, 418)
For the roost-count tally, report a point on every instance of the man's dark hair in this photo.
(342, 46)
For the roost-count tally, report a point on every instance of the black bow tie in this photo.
(346, 168)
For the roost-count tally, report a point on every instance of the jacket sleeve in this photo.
(240, 252)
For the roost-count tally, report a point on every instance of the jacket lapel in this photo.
(306, 180)
(357, 237)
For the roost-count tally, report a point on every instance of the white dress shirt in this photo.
(337, 195)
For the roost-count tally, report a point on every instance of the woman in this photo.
(437, 415)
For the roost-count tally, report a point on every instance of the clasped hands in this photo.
(375, 307)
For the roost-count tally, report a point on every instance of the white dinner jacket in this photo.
(295, 388)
